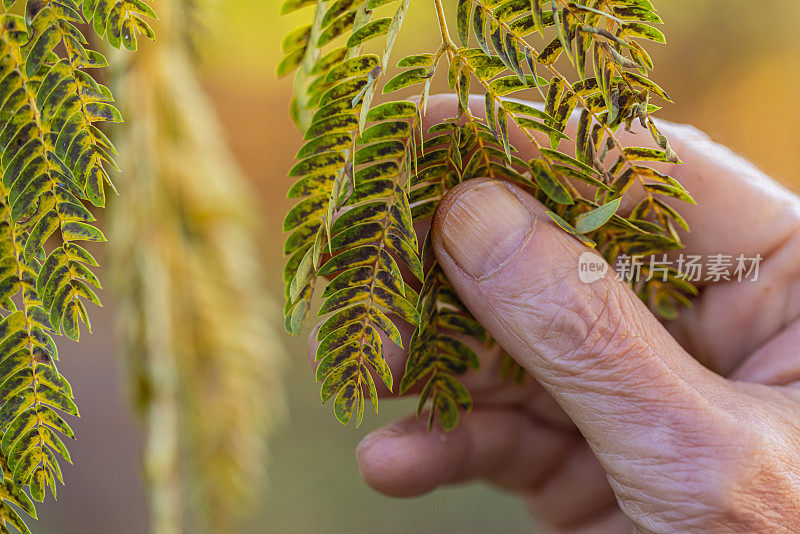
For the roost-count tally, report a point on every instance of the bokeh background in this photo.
(731, 66)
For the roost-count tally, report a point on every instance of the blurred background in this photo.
(731, 66)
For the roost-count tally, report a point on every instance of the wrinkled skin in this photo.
(692, 426)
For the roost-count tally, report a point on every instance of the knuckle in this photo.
(744, 476)
(726, 473)
(758, 486)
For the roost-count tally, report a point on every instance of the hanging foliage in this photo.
(55, 163)
(368, 170)
(196, 321)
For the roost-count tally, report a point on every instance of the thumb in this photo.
(595, 347)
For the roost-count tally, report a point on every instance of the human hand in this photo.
(692, 427)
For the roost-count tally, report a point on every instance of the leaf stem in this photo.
(447, 41)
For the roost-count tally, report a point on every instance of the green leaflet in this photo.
(567, 227)
(371, 30)
(647, 154)
(636, 79)
(643, 31)
(367, 172)
(549, 183)
(405, 79)
(592, 220)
